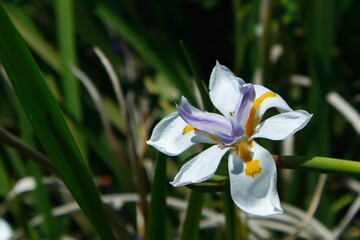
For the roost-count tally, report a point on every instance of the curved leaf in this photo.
(49, 124)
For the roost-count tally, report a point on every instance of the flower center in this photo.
(242, 148)
(253, 119)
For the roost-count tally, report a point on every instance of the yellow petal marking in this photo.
(252, 166)
(187, 129)
(243, 151)
(253, 120)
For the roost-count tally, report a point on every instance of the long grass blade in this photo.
(66, 39)
(49, 124)
(52, 228)
(9, 139)
(157, 212)
(191, 225)
(33, 37)
(231, 217)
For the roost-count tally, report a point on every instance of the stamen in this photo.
(254, 120)
(214, 138)
(187, 129)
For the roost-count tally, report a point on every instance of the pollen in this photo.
(253, 120)
(187, 129)
(252, 168)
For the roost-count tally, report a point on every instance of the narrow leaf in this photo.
(191, 225)
(157, 215)
(66, 39)
(49, 124)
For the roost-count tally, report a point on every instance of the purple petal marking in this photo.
(243, 108)
(237, 129)
(236, 132)
(209, 122)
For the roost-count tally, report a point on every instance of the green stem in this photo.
(320, 164)
(191, 225)
(220, 182)
(157, 214)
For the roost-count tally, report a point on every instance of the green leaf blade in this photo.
(157, 214)
(49, 124)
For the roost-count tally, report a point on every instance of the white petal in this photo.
(200, 167)
(282, 125)
(5, 230)
(168, 137)
(256, 195)
(270, 102)
(225, 89)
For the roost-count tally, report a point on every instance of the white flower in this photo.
(252, 170)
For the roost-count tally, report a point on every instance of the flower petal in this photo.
(243, 109)
(225, 89)
(168, 137)
(224, 138)
(282, 125)
(256, 195)
(5, 230)
(209, 122)
(200, 167)
(270, 102)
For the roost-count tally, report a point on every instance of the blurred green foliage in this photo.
(300, 49)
